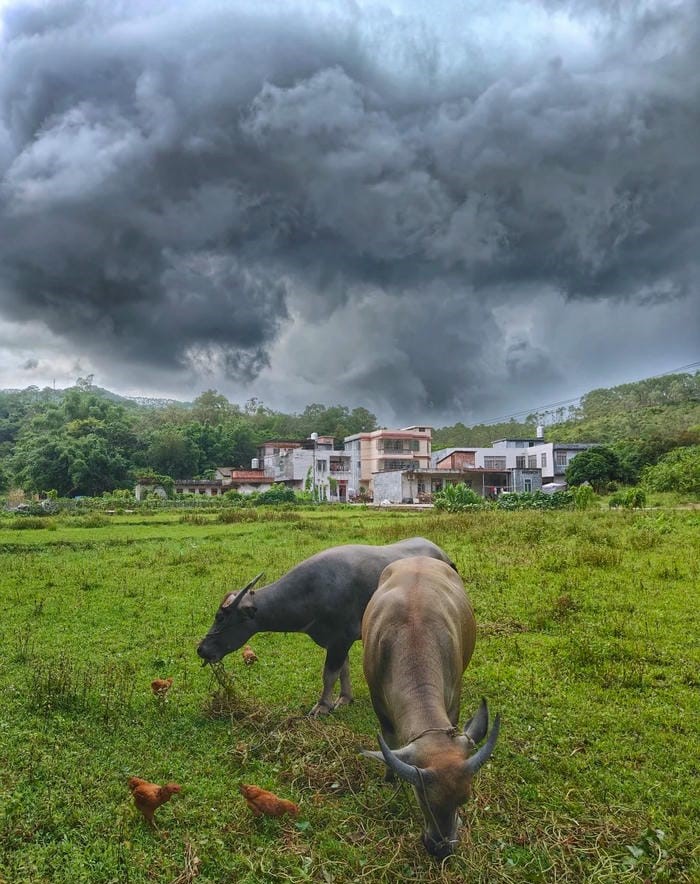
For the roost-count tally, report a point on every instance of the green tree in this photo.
(212, 408)
(597, 466)
(172, 452)
(88, 465)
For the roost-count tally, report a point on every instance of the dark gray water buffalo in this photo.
(418, 633)
(324, 596)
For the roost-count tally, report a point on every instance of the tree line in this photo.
(83, 442)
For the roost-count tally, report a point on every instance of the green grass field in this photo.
(588, 644)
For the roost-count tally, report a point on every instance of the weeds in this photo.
(30, 523)
(61, 684)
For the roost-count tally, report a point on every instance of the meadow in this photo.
(588, 644)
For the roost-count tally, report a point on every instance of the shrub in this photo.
(277, 493)
(679, 470)
(455, 498)
(633, 498)
(584, 497)
(535, 500)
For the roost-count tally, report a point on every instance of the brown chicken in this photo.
(148, 797)
(260, 801)
(161, 686)
(249, 655)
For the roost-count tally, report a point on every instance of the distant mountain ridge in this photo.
(667, 406)
(51, 393)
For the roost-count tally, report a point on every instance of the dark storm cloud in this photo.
(175, 179)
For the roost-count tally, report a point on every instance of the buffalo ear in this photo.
(248, 608)
(233, 599)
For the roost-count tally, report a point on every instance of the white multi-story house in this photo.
(314, 465)
(550, 458)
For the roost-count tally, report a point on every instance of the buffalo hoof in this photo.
(342, 700)
(321, 708)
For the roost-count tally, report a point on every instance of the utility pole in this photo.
(314, 438)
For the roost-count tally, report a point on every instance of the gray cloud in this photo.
(183, 187)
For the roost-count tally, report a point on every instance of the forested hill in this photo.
(664, 409)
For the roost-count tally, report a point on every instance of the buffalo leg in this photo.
(336, 666)
(345, 697)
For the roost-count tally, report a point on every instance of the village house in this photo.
(226, 479)
(550, 459)
(386, 450)
(314, 465)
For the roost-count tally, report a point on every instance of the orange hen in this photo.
(148, 797)
(161, 686)
(249, 655)
(260, 801)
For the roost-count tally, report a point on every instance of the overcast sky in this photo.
(442, 211)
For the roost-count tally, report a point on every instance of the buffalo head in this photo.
(233, 624)
(442, 778)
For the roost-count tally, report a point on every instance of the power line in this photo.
(527, 411)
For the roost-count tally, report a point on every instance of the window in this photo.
(398, 445)
(396, 465)
(560, 458)
(543, 459)
(520, 462)
(421, 487)
(494, 463)
(532, 461)
(527, 483)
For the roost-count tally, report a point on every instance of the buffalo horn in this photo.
(477, 726)
(407, 772)
(481, 756)
(236, 600)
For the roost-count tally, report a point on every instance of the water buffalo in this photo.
(324, 596)
(418, 633)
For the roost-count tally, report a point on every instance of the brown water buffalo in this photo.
(418, 632)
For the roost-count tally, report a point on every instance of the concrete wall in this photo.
(390, 486)
(519, 477)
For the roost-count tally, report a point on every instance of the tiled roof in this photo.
(249, 476)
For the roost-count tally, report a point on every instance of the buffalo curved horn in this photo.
(482, 755)
(233, 601)
(407, 772)
(477, 726)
